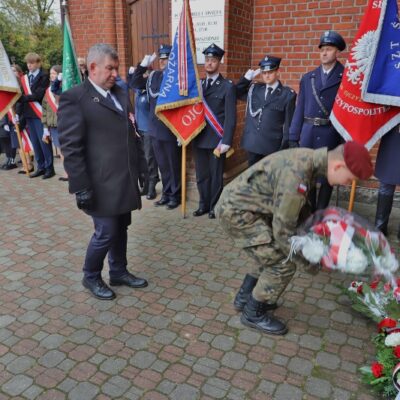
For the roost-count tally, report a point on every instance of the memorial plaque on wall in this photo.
(208, 23)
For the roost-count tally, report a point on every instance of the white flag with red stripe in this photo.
(9, 87)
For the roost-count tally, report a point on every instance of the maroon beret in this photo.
(358, 160)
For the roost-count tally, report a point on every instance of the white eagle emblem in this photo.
(361, 54)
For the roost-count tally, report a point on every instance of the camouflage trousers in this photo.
(272, 272)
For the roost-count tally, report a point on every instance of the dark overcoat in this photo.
(152, 84)
(221, 98)
(387, 167)
(100, 150)
(266, 132)
(307, 134)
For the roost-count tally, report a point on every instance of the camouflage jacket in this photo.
(269, 200)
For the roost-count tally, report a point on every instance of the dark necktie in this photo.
(324, 78)
(110, 99)
(209, 83)
(269, 91)
(30, 77)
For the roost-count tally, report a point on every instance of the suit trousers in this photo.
(152, 165)
(253, 158)
(110, 236)
(209, 177)
(43, 151)
(168, 156)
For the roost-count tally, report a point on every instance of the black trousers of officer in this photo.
(168, 156)
(110, 236)
(209, 177)
(152, 166)
(253, 158)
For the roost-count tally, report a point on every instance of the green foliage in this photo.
(27, 26)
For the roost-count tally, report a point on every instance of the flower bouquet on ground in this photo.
(340, 240)
(380, 301)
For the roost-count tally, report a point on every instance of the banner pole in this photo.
(183, 179)
(21, 147)
(352, 195)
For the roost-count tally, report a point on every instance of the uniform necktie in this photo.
(110, 99)
(209, 83)
(324, 78)
(268, 92)
(30, 77)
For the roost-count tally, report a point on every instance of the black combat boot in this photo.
(244, 292)
(151, 192)
(255, 316)
(383, 209)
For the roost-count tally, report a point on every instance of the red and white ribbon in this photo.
(51, 99)
(36, 106)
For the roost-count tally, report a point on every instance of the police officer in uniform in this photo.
(270, 108)
(311, 126)
(220, 95)
(165, 145)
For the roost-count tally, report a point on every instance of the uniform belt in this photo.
(318, 121)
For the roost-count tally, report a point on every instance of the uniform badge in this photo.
(96, 99)
(302, 188)
(266, 58)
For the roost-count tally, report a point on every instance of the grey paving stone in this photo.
(80, 322)
(300, 366)
(33, 392)
(166, 386)
(32, 304)
(249, 337)
(6, 320)
(184, 318)
(142, 359)
(185, 392)
(267, 387)
(252, 367)
(310, 342)
(336, 337)
(83, 390)
(327, 360)
(319, 322)
(29, 317)
(206, 366)
(341, 394)
(164, 336)
(327, 304)
(234, 360)
(159, 366)
(67, 385)
(17, 385)
(342, 317)
(113, 365)
(138, 342)
(53, 341)
(215, 388)
(116, 386)
(20, 364)
(320, 388)
(223, 342)
(52, 358)
(178, 305)
(278, 359)
(285, 391)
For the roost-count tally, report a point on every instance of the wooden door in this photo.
(149, 26)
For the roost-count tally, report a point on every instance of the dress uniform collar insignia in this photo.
(96, 99)
(217, 82)
(302, 188)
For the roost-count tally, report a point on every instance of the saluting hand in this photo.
(251, 74)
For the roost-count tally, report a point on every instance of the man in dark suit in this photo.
(311, 126)
(270, 108)
(34, 85)
(220, 95)
(165, 145)
(98, 141)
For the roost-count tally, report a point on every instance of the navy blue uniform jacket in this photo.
(309, 135)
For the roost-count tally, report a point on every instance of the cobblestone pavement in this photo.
(179, 338)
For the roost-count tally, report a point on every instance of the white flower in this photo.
(313, 250)
(387, 262)
(356, 261)
(392, 339)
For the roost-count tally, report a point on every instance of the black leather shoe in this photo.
(98, 289)
(211, 214)
(38, 172)
(162, 202)
(151, 195)
(128, 280)
(49, 173)
(255, 316)
(173, 204)
(199, 212)
(10, 166)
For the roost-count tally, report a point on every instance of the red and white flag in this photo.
(9, 87)
(355, 119)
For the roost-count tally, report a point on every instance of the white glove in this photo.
(46, 132)
(59, 76)
(251, 74)
(146, 61)
(131, 70)
(6, 128)
(178, 142)
(153, 57)
(15, 119)
(223, 148)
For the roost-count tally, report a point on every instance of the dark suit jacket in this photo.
(266, 133)
(221, 97)
(38, 88)
(309, 135)
(100, 149)
(157, 128)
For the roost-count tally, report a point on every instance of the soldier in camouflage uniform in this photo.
(262, 208)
